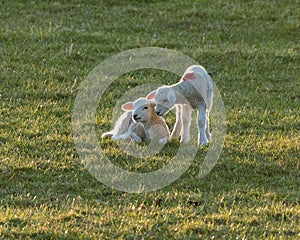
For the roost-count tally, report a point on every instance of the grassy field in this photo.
(251, 48)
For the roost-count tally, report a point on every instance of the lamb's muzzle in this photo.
(161, 109)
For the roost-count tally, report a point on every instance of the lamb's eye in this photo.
(145, 107)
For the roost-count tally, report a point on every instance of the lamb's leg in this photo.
(186, 121)
(207, 132)
(136, 132)
(124, 136)
(107, 134)
(135, 137)
(202, 123)
(209, 101)
(178, 124)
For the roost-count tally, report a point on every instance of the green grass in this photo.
(48, 48)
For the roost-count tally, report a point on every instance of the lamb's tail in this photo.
(107, 134)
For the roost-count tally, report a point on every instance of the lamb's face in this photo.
(165, 99)
(144, 112)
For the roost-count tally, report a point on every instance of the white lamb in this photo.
(193, 91)
(126, 129)
(142, 122)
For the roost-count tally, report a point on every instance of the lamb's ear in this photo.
(150, 96)
(171, 97)
(127, 106)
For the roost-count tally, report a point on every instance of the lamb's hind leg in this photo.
(202, 124)
(207, 132)
(178, 124)
(186, 122)
(209, 101)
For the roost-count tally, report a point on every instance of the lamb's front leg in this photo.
(202, 124)
(208, 135)
(178, 124)
(186, 122)
(137, 132)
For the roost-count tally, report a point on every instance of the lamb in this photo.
(126, 129)
(142, 122)
(155, 126)
(193, 91)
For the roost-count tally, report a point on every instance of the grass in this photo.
(48, 48)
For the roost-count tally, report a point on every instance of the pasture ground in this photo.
(47, 49)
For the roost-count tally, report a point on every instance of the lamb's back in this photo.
(123, 123)
(195, 85)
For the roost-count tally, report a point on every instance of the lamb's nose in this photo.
(135, 116)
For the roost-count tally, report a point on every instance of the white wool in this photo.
(140, 123)
(193, 91)
(125, 129)
(141, 102)
(155, 126)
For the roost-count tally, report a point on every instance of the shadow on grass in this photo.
(33, 187)
(50, 183)
(250, 169)
(240, 177)
(36, 235)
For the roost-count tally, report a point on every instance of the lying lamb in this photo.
(126, 129)
(142, 122)
(193, 91)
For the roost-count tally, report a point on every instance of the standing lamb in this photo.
(193, 91)
(140, 123)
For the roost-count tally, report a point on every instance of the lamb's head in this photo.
(165, 99)
(142, 108)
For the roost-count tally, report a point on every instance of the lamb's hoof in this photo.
(208, 136)
(203, 143)
(137, 139)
